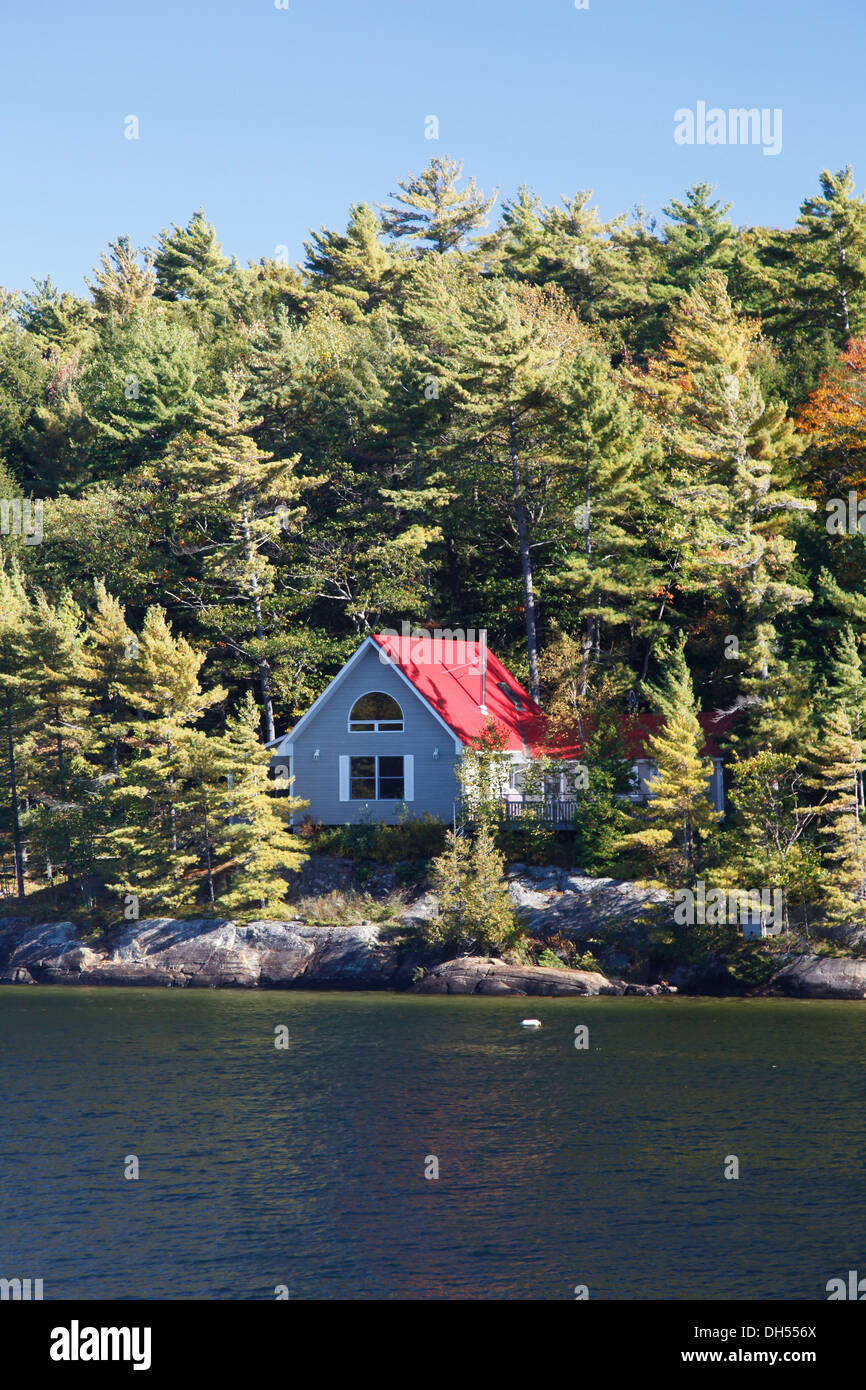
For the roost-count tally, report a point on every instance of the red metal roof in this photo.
(637, 728)
(448, 675)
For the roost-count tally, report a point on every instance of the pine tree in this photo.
(254, 836)
(604, 269)
(678, 812)
(838, 767)
(845, 690)
(699, 237)
(60, 777)
(352, 269)
(201, 775)
(829, 270)
(14, 711)
(430, 207)
(518, 247)
(763, 843)
(162, 687)
(235, 499)
(495, 355)
(56, 319)
(138, 387)
(475, 908)
(24, 381)
(604, 568)
(725, 509)
(112, 645)
(847, 681)
(122, 282)
(600, 818)
(190, 264)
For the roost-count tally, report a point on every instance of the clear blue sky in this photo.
(274, 121)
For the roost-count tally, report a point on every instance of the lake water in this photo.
(304, 1166)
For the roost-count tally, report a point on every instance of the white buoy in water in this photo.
(530, 1023)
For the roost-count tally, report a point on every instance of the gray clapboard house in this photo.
(384, 737)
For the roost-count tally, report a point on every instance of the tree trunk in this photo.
(208, 857)
(843, 293)
(256, 601)
(16, 828)
(67, 843)
(525, 559)
(427, 588)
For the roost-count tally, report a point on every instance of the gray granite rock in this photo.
(201, 953)
(823, 977)
(32, 949)
(484, 975)
(564, 901)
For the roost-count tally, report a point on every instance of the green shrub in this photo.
(475, 908)
(550, 960)
(753, 968)
(531, 841)
(412, 838)
(587, 962)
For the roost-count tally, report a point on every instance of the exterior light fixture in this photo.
(435, 754)
(316, 755)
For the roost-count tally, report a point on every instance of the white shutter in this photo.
(409, 777)
(344, 778)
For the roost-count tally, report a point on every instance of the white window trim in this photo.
(352, 723)
(408, 760)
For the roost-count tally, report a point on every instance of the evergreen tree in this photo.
(353, 269)
(475, 908)
(56, 319)
(138, 388)
(112, 645)
(162, 689)
(847, 681)
(14, 704)
(190, 264)
(605, 566)
(59, 774)
(698, 238)
(234, 499)
(837, 778)
(254, 835)
(763, 844)
(518, 247)
(678, 812)
(725, 508)
(495, 356)
(24, 380)
(122, 282)
(432, 209)
(828, 267)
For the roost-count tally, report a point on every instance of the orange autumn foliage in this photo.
(835, 417)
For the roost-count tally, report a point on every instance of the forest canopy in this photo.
(632, 450)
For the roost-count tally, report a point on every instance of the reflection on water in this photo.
(305, 1167)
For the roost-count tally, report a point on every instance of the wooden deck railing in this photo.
(558, 812)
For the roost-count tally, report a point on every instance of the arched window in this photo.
(376, 713)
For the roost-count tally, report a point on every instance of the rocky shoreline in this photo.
(208, 954)
(204, 954)
(608, 918)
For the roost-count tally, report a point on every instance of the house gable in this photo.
(283, 747)
(348, 774)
